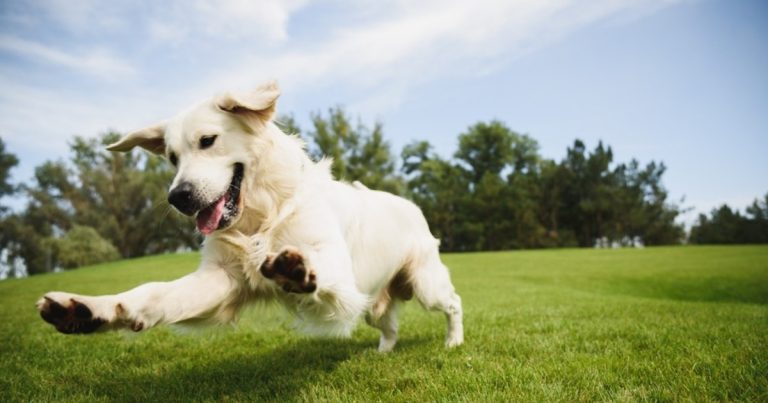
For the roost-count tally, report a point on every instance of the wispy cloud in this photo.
(78, 17)
(175, 19)
(414, 42)
(177, 51)
(179, 22)
(97, 62)
(137, 61)
(44, 120)
(399, 43)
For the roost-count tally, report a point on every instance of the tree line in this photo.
(725, 225)
(97, 206)
(498, 192)
(495, 192)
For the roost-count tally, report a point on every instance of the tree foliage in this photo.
(495, 192)
(7, 162)
(122, 197)
(727, 226)
(359, 153)
(499, 193)
(82, 246)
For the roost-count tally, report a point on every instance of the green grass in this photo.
(683, 323)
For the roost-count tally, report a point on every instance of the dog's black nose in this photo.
(182, 197)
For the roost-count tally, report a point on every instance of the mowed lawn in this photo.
(679, 323)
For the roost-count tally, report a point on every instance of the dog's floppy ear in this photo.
(151, 138)
(259, 103)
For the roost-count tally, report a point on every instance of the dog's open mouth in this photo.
(220, 213)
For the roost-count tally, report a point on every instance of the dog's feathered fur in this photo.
(364, 250)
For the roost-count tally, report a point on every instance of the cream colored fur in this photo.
(354, 239)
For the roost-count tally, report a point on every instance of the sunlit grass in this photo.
(683, 323)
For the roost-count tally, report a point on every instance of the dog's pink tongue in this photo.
(208, 219)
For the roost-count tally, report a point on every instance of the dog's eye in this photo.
(174, 159)
(207, 141)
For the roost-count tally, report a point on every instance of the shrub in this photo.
(83, 246)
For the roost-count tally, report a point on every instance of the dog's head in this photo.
(211, 145)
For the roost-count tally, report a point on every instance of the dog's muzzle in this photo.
(183, 198)
(214, 214)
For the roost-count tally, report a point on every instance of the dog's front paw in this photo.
(289, 270)
(68, 315)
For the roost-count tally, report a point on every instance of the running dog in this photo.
(278, 227)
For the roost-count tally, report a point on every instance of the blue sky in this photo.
(683, 82)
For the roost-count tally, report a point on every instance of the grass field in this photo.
(682, 323)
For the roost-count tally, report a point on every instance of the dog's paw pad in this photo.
(290, 272)
(71, 317)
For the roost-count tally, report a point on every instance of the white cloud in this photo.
(415, 42)
(39, 119)
(377, 51)
(261, 22)
(80, 16)
(174, 21)
(383, 54)
(98, 62)
(44, 120)
(243, 18)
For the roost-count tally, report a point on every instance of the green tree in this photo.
(598, 200)
(122, 196)
(7, 162)
(587, 193)
(440, 189)
(500, 212)
(757, 214)
(28, 249)
(7, 223)
(31, 232)
(553, 186)
(83, 246)
(523, 196)
(725, 225)
(359, 153)
(288, 125)
(486, 148)
(658, 226)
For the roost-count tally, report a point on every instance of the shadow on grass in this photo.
(282, 374)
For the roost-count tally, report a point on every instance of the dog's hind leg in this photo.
(432, 287)
(383, 316)
(388, 326)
